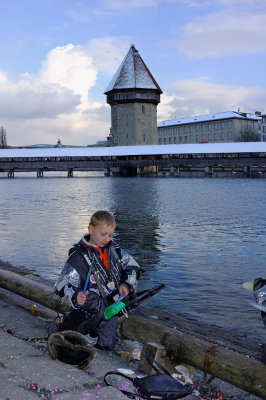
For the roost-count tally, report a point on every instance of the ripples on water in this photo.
(202, 237)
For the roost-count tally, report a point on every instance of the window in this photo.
(174, 139)
(209, 136)
(143, 109)
(180, 139)
(222, 136)
(216, 125)
(229, 135)
(191, 128)
(209, 126)
(203, 127)
(185, 139)
(191, 138)
(164, 140)
(160, 140)
(216, 136)
(197, 128)
(170, 140)
(229, 124)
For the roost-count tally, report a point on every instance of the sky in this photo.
(57, 57)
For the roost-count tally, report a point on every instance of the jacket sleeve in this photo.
(68, 284)
(130, 270)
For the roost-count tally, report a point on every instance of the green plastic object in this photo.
(113, 309)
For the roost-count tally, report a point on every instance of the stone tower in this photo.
(133, 95)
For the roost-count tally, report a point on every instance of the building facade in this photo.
(212, 128)
(262, 128)
(133, 95)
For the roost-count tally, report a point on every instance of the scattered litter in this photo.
(129, 349)
(126, 371)
(182, 375)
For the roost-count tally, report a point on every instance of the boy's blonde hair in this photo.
(102, 216)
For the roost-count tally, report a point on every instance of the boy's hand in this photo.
(123, 289)
(81, 298)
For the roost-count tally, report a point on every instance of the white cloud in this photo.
(57, 101)
(228, 27)
(108, 53)
(28, 98)
(121, 5)
(198, 97)
(70, 67)
(224, 33)
(83, 12)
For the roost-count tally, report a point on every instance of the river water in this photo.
(202, 237)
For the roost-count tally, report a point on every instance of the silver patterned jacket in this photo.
(122, 269)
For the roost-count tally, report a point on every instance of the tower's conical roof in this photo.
(133, 74)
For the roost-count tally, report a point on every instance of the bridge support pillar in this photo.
(172, 171)
(140, 171)
(40, 173)
(209, 171)
(10, 173)
(107, 171)
(70, 172)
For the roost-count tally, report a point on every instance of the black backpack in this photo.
(159, 386)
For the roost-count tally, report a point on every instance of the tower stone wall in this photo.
(134, 124)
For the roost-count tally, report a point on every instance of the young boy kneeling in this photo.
(113, 267)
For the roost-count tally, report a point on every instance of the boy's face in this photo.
(101, 234)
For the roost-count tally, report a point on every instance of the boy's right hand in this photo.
(81, 298)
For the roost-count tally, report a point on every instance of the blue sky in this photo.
(58, 56)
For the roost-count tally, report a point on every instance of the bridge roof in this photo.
(133, 74)
(204, 148)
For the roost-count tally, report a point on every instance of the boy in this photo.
(112, 269)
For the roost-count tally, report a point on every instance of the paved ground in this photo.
(28, 372)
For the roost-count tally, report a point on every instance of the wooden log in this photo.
(224, 363)
(32, 290)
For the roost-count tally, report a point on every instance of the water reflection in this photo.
(135, 206)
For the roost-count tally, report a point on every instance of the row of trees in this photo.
(3, 139)
(248, 135)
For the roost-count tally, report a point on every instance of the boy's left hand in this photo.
(123, 289)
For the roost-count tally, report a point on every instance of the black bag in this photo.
(72, 348)
(159, 386)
